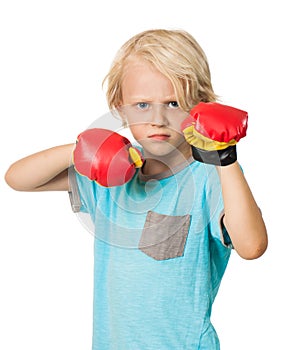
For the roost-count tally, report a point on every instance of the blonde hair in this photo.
(176, 54)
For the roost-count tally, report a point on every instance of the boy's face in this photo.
(152, 113)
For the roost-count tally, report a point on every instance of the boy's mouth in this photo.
(159, 137)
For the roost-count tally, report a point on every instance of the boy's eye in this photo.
(143, 105)
(173, 104)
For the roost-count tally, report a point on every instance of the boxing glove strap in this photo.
(222, 157)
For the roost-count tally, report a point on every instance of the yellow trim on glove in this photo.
(135, 156)
(194, 138)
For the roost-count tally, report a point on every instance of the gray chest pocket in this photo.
(163, 236)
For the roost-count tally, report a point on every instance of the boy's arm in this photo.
(242, 217)
(42, 171)
(101, 155)
(213, 130)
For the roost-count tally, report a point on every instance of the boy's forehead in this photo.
(145, 83)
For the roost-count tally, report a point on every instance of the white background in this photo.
(54, 56)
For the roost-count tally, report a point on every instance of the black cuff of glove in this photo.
(222, 157)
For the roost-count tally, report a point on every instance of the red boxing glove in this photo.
(213, 130)
(106, 157)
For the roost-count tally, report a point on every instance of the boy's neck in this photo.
(152, 167)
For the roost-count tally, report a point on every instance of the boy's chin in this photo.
(160, 150)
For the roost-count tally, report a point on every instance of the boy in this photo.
(164, 232)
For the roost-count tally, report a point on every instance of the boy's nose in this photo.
(158, 115)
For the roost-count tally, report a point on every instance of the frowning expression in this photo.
(151, 110)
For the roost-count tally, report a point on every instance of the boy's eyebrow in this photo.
(151, 99)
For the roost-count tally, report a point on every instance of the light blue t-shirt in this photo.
(160, 254)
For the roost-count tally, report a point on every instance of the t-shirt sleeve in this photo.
(82, 193)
